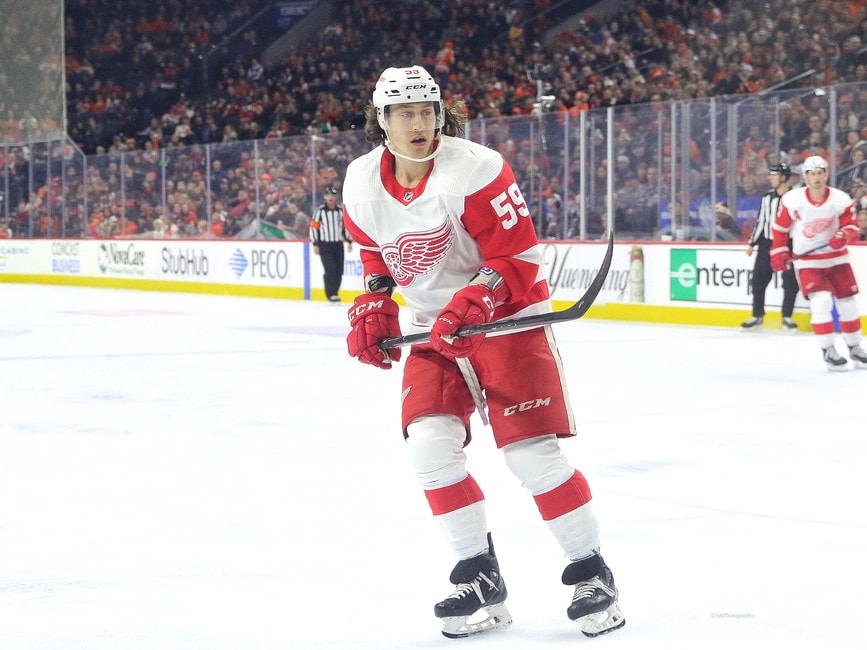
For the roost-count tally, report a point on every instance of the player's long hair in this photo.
(453, 123)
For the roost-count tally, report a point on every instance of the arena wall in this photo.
(666, 282)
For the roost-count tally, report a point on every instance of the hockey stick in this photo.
(809, 252)
(804, 254)
(575, 311)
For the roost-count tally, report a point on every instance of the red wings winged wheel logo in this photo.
(416, 253)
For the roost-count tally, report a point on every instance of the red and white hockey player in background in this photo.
(821, 222)
(443, 219)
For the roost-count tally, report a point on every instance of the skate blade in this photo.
(843, 367)
(491, 618)
(602, 622)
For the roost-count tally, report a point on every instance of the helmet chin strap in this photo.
(397, 154)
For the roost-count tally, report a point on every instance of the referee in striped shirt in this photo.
(327, 235)
(760, 240)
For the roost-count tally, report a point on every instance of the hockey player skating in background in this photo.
(821, 222)
(444, 219)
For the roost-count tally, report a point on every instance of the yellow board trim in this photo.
(288, 293)
(676, 315)
(620, 311)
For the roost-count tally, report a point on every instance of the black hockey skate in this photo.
(753, 323)
(478, 603)
(594, 604)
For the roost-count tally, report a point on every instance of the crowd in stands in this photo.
(143, 70)
(136, 83)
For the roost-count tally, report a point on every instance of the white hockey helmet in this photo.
(407, 86)
(813, 163)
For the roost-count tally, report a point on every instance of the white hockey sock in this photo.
(577, 531)
(466, 530)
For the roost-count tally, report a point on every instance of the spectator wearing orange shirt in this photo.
(445, 57)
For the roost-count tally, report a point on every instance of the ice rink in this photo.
(207, 472)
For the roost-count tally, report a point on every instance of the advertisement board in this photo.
(718, 276)
(653, 281)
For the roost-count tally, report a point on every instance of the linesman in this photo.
(327, 235)
(760, 241)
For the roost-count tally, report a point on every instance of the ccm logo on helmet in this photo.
(529, 405)
(416, 87)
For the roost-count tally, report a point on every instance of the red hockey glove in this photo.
(373, 317)
(472, 305)
(781, 259)
(839, 240)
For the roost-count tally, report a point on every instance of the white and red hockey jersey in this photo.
(812, 225)
(467, 212)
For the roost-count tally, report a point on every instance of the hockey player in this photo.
(444, 220)
(821, 222)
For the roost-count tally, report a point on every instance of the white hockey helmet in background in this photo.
(407, 86)
(813, 163)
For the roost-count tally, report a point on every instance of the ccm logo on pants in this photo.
(527, 406)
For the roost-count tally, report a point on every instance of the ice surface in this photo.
(211, 472)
